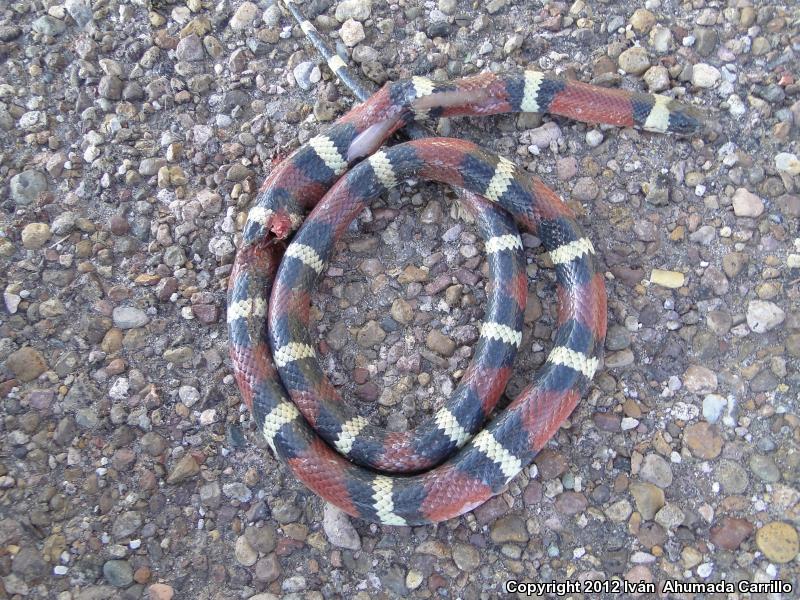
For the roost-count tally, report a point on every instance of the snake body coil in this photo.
(339, 455)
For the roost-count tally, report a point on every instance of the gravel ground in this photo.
(134, 137)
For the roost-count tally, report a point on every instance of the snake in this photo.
(466, 452)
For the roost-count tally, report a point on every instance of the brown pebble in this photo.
(118, 225)
(731, 532)
(703, 440)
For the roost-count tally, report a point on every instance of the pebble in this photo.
(370, 334)
(778, 541)
(118, 573)
(25, 187)
(244, 16)
(787, 163)
(358, 10)
(667, 279)
(764, 468)
(352, 32)
(657, 78)
(732, 477)
(702, 440)
(339, 529)
(160, 591)
(731, 532)
(35, 235)
(541, 137)
(510, 528)
(303, 74)
(244, 553)
(642, 20)
(129, 317)
(440, 343)
(699, 379)
(26, 363)
(670, 516)
(184, 469)
(466, 557)
(763, 316)
(80, 11)
(747, 204)
(713, 405)
(705, 76)
(648, 498)
(634, 60)
(656, 470)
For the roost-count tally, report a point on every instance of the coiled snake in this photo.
(361, 468)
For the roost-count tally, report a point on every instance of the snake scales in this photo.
(456, 460)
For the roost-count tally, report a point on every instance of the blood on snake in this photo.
(410, 478)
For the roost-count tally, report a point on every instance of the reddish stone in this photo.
(731, 532)
(206, 313)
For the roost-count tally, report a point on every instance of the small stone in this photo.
(160, 591)
(732, 477)
(656, 470)
(110, 87)
(642, 20)
(763, 316)
(126, 524)
(440, 343)
(50, 26)
(510, 528)
(370, 334)
(267, 569)
(669, 517)
(667, 279)
(129, 317)
(619, 511)
(26, 363)
(657, 78)
(353, 9)
(699, 379)
(466, 557)
(190, 49)
(704, 76)
(412, 274)
(648, 498)
(302, 74)
(184, 469)
(244, 16)
(571, 503)
(401, 311)
(25, 187)
(702, 440)
(35, 235)
(118, 573)
(764, 468)
(661, 39)
(778, 541)
(238, 491)
(244, 552)
(713, 405)
(339, 529)
(787, 163)
(80, 11)
(731, 532)
(352, 32)
(634, 60)
(585, 189)
(747, 204)
(705, 40)
(541, 137)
